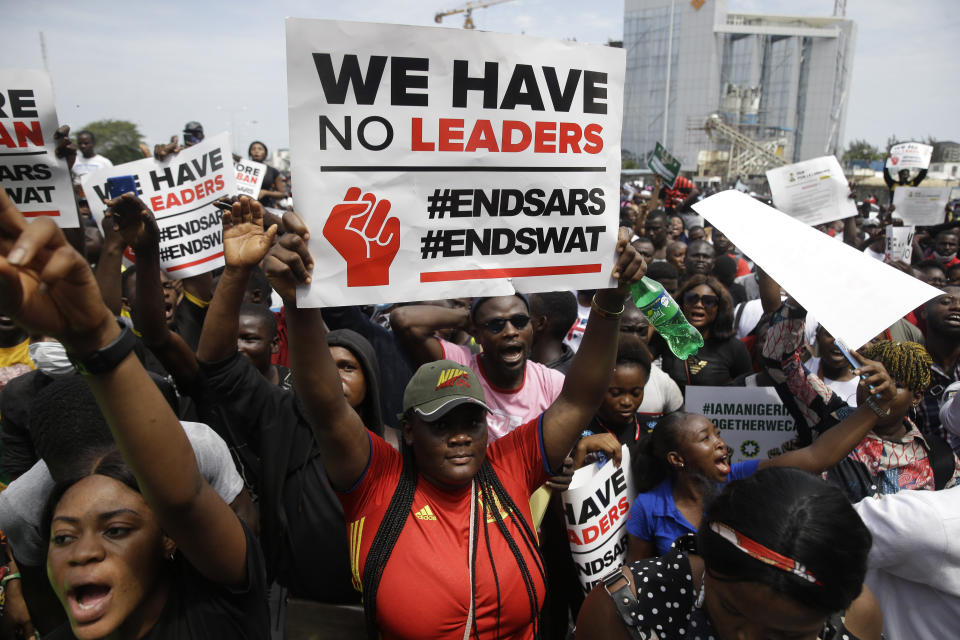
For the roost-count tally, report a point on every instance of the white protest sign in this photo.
(813, 191)
(752, 420)
(433, 163)
(595, 508)
(30, 172)
(250, 175)
(920, 205)
(899, 245)
(854, 296)
(909, 155)
(180, 190)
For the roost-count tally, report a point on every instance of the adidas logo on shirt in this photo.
(425, 514)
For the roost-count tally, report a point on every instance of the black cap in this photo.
(193, 127)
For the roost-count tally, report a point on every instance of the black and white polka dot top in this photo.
(667, 600)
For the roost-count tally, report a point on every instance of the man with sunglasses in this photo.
(516, 388)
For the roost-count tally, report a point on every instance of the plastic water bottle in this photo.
(665, 316)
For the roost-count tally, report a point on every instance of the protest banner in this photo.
(899, 246)
(813, 191)
(435, 163)
(595, 507)
(663, 164)
(180, 190)
(851, 294)
(249, 175)
(34, 178)
(752, 420)
(921, 206)
(909, 155)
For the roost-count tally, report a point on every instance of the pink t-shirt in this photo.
(510, 408)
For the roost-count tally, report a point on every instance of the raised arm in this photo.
(109, 265)
(47, 288)
(689, 200)
(135, 223)
(834, 444)
(415, 327)
(343, 439)
(245, 243)
(590, 372)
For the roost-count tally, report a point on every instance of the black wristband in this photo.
(106, 359)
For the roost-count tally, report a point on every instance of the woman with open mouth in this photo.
(141, 545)
(685, 461)
(707, 306)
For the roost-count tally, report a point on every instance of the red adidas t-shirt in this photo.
(425, 588)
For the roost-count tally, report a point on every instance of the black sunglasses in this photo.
(497, 325)
(709, 300)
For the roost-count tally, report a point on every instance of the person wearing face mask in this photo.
(945, 248)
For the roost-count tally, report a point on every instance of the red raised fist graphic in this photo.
(359, 230)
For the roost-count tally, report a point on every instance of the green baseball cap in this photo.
(440, 386)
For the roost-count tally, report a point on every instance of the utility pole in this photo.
(666, 89)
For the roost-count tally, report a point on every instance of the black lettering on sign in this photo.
(21, 103)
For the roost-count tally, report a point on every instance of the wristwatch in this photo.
(107, 358)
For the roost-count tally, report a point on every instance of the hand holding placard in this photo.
(359, 230)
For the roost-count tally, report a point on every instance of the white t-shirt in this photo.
(82, 166)
(846, 389)
(914, 563)
(22, 502)
(661, 396)
(511, 408)
(575, 335)
(877, 255)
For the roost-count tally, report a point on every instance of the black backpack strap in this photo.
(941, 459)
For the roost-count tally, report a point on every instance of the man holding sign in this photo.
(904, 157)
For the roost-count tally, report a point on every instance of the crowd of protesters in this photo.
(200, 458)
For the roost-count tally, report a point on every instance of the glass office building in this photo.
(771, 76)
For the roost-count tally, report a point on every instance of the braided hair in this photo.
(908, 363)
(491, 492)
(387, 534)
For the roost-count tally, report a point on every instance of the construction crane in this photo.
(747, 156)
(467, 8)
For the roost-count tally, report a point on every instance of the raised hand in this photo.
(46, 286)
(359, 230)
(605, 442)
(161, 151)
(134, 221)
(65, 147)
(289, 263)
(245, 243)
(630, 266)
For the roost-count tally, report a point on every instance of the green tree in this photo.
(861, 150)
(118, 140)
(628, 160)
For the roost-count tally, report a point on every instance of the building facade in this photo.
(771, 77)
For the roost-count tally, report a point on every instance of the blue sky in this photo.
(161, 64)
